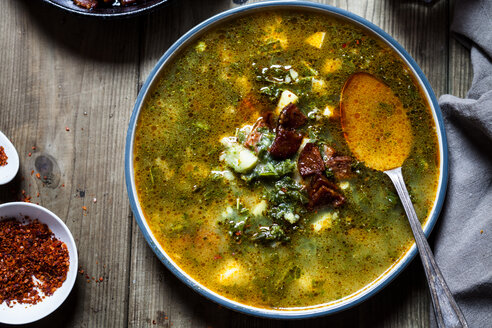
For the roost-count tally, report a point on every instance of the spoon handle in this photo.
(447, 312)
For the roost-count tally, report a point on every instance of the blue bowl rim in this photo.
(302, 313)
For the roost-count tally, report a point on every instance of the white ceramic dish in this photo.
(25, 313)
(9, 171)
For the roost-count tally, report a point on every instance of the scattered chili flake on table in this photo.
(29, 251)
(3, 156)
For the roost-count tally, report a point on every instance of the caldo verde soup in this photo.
(243, 172)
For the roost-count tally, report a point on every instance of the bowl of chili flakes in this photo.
(38, 262)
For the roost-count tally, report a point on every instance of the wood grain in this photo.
(63, 71)
(67, 88)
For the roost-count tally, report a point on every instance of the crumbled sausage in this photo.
(341, 166)
(286, 143)
(323, 192)
(291, 117)
(310, 161)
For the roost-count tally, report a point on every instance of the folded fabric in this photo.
(463, 239)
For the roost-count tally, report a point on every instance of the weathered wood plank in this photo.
(62, 71)
(156, 294)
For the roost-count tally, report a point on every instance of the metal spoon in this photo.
(379, 133)
(8, 171)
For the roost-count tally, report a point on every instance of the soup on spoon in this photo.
(379, 133)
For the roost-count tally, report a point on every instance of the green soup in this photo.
(239, 218)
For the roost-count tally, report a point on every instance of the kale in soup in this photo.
(245, 177)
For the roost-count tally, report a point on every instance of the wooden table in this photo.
(67, 88)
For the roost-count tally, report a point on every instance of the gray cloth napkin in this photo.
(463, 239)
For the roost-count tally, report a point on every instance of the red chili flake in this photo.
(344, 45)
(32, 172)
(67, 128)
(27, 251)
(101, 279)
(3, 157)
(357, 41)
(29, 154)
(37, 194)
(84, 208)
(33, 147)
(38, 175)
(217, 257)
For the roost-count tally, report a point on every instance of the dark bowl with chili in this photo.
(109, 11)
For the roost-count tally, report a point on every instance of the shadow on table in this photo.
(115, 40)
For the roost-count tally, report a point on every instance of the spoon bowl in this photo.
(379, 133)
(9, 170)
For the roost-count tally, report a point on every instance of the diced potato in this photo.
(318, 85)
(201, 46)
(331, 65)
(228, 141)
(243, 85)
(226, 174)
(240, 158)
(293, 74)
(226, 56)
(164, 167)
(230, 109)
(259, 208)
(231, 273)
(316, 39)
(286, 98)
(291, 217)
(329, 111)
(305, 282)
(325, 221)
(344, 185)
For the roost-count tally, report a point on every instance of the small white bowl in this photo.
(9, 171)
(26, 313)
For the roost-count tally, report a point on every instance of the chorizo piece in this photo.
(291, 117)
(286, 143)
(310, 161)
(323, 192)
